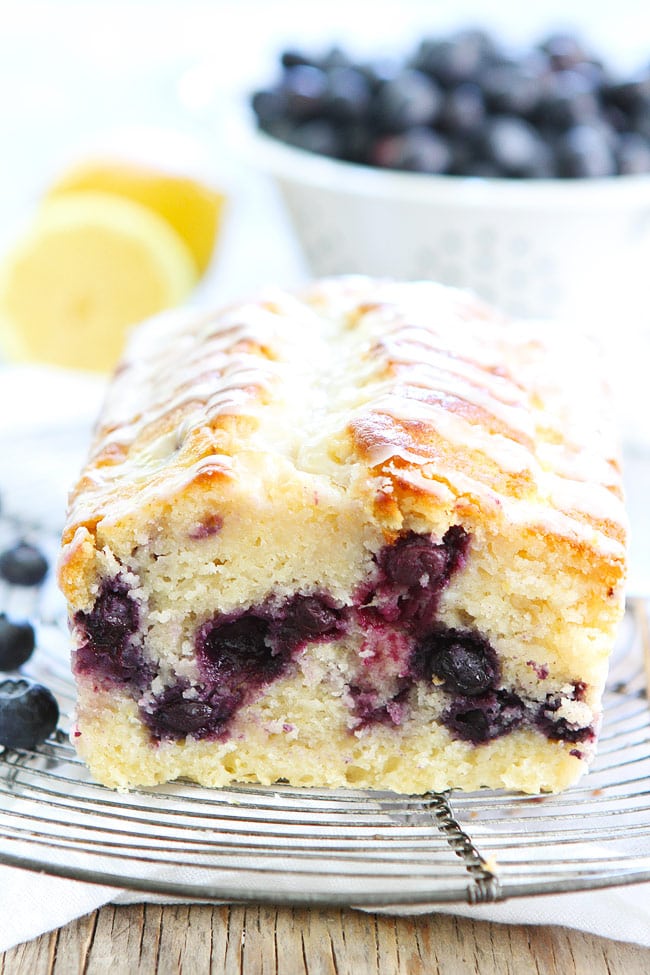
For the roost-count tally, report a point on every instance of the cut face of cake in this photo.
(370, 534)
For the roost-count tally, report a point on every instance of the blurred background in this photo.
(72, 71)
(174, 77)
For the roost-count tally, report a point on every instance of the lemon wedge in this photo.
(189, 205)
(90, 265)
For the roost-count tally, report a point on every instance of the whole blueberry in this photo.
(419, 150)
(318, 135)
(347, 95)
(456, 59)
(293, 57)
(356, 140)
(380, 71)
(304, 88)
(629, 94)
(516, 148)
(463, 109)
(16, 643)
(564, 50)
(633, 154)
(335, 58)
(510, 88)
(638, 118)
(568, 98)
(23, 565)
(28, 713)
(408, 100)
(269, 105)
(586, 151)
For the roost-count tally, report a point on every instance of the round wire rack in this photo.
(299, 846)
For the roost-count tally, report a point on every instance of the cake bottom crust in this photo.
(314, 747)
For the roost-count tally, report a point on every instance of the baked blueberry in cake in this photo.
(368, 534)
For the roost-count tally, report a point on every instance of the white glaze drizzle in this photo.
(327, 374)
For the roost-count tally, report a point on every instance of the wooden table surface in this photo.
(198, 939)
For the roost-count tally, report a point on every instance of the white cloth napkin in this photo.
(45, 417)
(32, 904)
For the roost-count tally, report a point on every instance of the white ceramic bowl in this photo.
(572, 249)
(534, 247)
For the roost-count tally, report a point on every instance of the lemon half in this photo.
(91, 265)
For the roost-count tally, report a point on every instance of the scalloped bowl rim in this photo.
(286, 162)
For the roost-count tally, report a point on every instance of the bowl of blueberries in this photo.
(522, 175)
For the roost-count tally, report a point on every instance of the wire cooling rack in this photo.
(298, 846)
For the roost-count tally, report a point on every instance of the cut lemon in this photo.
(90, 266)
(191, 207)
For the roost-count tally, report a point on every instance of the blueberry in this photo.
(316, 135)
(108, 651)
(568, 98)
(371, 707)
(113, 618)
(23, 565)
(463, 155)
(419, 150)
(444, 109)
(378, 72)
(270, 106)
(466, 668)
(633, 154)
(564, 50)
(291, 58)
(176, 713)
(463, 109)
(559, 729)
(485, 718)
(515, 148)
(457, 59)
(236, 651)
(28, 713)
(304, 88)
(304, 619)
(356, 140)
(463, 659)
(413, 573)
(409, 100)
(510, 88)
(335, 58)
(630, 94)
(586, 151)
(415, 560)
(347, 95)
(16, 643)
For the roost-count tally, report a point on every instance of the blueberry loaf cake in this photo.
(370, 534)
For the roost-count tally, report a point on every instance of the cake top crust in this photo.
(416, 392)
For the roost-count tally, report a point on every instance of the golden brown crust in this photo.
(416, 388)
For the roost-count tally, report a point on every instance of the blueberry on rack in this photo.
(16, 643)
(28, 713)
(23, 565)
